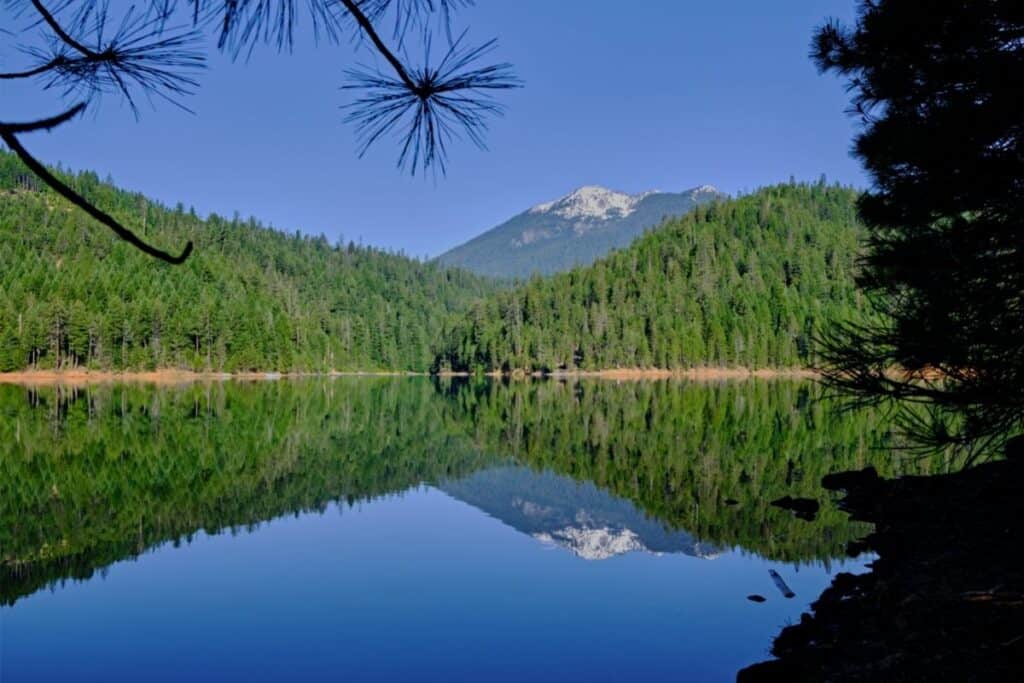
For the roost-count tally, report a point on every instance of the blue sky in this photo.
(667, 95)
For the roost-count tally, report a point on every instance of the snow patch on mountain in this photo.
(576, 229)
(594, 544)
(602, 542)
(592, 202)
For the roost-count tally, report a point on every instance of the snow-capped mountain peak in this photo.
(599, 203)
(591, 201)
(574, 230)
(579, 517)
(593, 544)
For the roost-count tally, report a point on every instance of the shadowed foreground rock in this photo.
(944, 600)
(804, 508)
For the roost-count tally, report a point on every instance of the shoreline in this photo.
(629, 374)
(176, 377)
(170, 376)
(703, 373)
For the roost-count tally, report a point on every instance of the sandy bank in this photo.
(164, 377)
(629, 374)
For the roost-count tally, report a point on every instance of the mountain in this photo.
(745, 282)
(578, 516)
(574, 230)
(250, 298)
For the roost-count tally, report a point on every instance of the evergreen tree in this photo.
(939, 92)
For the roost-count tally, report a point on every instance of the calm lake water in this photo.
(406, 529)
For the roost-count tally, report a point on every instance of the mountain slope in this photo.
(574, 230)
(744, 282)
(250, 298)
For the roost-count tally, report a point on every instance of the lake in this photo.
(373, 529)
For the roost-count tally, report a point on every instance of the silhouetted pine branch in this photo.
(7, 134)
(83, 58)
(141, 55)
(430, 106)
(410, 15)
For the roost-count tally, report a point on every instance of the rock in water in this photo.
(804, 508)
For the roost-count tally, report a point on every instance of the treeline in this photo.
(250, 298)
(745, 282)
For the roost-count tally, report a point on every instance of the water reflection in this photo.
(578, 516)
(404, 529)
(98, 474)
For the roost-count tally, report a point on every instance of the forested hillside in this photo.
(744, 282)
(72, 295)
(740, 282)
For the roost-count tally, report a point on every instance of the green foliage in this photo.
(746, 282)
(943, 144)
(73, 295)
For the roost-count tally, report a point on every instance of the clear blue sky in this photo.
(667, 94)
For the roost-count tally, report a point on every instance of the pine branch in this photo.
(367, 27)
(142, 54)
(43, 124)
(63, 190)
(430, 105)
(36, 71)
(59, 31)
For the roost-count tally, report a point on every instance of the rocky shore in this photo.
(944, 599)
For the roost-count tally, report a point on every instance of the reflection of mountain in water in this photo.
(555, 509)
(126, 468)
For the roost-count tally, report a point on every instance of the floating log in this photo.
(781, 584)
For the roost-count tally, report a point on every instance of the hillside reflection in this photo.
(94, 475)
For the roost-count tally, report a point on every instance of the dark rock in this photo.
(1014, 449)
(848, 481)
(773, 670)
(804, 508)
(944, 599)
(857, 548)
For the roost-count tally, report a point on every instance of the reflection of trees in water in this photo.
(707, 458)
(97, 475)
(94, 475)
